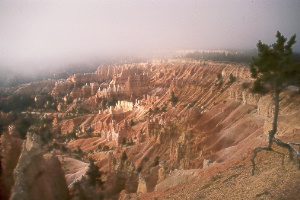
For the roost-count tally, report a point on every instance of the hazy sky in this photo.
(48, 33)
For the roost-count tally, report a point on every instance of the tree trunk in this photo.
(275, 118)
(287, 145)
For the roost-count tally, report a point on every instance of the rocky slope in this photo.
(215, 122)
(174, 130)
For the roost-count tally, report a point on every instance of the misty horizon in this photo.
(51, 34)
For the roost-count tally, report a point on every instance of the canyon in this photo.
(169, 129)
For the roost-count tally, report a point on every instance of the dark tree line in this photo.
(16, 102)
(237, 57)
(21, 102)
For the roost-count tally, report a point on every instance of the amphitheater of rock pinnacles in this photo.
(203, 138)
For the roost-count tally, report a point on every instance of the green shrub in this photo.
(132, 123)
(105, 148)
(174, 98)
(123, 140)
(124, 156)
(164, 107)
(245, 85)
(156, 110)
(231, 78)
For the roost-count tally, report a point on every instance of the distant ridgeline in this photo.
(12, 77)
(229, 56)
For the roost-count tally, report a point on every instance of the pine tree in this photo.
(94, 175)
(274, 67)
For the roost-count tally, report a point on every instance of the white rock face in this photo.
(143, 186)
(74, 169)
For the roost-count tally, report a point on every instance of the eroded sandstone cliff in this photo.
(178, 122)
(37, 177)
